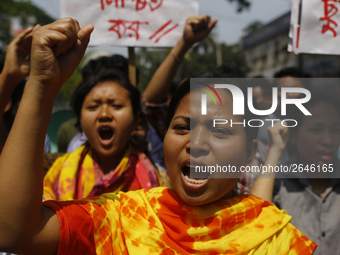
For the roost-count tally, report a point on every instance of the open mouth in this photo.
(106, 133)
(200, 178)
(325, 156)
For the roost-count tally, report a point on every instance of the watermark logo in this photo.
(204, 97)
(238, 99)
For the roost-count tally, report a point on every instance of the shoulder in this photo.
(273, 227)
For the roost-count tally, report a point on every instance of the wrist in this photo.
(45, 93)
(274, 154)
(9, 80)
(277, 148)
(181, 48)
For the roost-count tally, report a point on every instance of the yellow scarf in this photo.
(72, 176)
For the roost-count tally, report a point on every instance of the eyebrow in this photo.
(100, 100)
(182, 117)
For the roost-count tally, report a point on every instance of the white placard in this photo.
(142, 23)
(319, 30)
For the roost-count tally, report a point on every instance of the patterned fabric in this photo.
(159, 222)
(77, 175)
(247, 179)
(49, 159)
(156, 114)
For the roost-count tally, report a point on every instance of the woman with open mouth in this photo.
(107, 108)
(200, 217)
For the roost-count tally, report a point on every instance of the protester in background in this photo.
(312, 199)
(155, 96)
(107, 108)
(287, 77)
(199, 217)
(16, 67)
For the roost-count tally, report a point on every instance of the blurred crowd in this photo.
(115, 141)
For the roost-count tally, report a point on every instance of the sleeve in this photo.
(76, 228)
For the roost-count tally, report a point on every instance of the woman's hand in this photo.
(57, 49)
(278, 135)
(17, 64)
(197, 28)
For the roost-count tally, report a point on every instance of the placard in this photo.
(314, 27)
(142, 23)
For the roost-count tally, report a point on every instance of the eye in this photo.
(221, 132)
(117, 106)
(92, 107)
(182, 128)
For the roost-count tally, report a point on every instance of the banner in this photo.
(314, 27)
(141, 23)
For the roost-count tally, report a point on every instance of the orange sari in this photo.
(159, 222)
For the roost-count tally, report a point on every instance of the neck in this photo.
(319, 185)
(109, 163)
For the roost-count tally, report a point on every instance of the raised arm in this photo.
(16, 66)
(195, 30)
(264, 185)
(25, 225)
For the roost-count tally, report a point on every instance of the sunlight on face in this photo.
(107, 119)
(191, 140)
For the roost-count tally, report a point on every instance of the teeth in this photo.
(194, 181)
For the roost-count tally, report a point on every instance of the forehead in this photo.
(323, 113)
(214, 105)
(289, 81)
(107, 89)
(190, 105)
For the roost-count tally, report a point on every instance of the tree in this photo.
(27, 13)
(241, 4)
(199, 59)
(253, 26)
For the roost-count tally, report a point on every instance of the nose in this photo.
(105, 114)
(199, 142)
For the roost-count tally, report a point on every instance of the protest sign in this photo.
(142, 23)
(314, 27)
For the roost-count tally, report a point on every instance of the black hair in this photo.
(293, 72)
(85, 87)
(289, 71)
(115, 62)
(223, 72)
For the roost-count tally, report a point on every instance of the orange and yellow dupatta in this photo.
(159, 222)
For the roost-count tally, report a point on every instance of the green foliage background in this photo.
(200, 58)
(27, 13)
